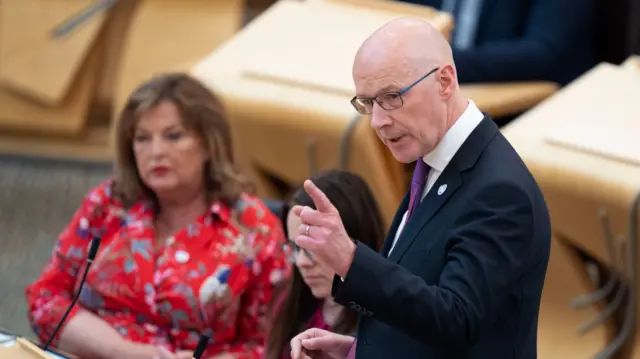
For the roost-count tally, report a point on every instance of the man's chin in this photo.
(403, 156)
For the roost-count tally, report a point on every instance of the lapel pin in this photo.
(441, 189)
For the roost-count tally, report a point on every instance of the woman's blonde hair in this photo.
(201, 112)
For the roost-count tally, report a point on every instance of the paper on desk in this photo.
(599, 114)
(11, 342)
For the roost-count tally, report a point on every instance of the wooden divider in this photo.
(285, 89)
(557, 324)
(581, 146)
(60, 94)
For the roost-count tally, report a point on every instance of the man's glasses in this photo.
(387, 100)
(292, 250)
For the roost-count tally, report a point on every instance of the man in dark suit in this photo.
(522, 40)
(463, 266)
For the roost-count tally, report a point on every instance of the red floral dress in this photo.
(216, 276)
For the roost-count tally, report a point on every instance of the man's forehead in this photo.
(373, 80)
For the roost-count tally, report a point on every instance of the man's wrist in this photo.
(350, 254)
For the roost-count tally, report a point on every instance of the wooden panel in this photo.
(317, 56)
(597, 126)
(166, 33)
(577, 184)
(504, 99)
(34, 63)
(557, 324)
(286, 88)
(92, 145)
(69, 117)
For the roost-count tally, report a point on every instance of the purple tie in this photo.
(417, 186)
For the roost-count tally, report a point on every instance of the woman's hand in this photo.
(320, 344)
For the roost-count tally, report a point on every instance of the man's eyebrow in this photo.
(388, 88)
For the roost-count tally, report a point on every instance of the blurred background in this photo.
(561, 77)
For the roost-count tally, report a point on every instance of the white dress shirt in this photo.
(439, 158)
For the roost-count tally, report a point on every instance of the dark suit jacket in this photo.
(529, 40)
(466, 275)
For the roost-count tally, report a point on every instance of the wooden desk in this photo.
(505, 99)
(4, 334)
(59, 95)
(557, 323)
(284, 89)
(581, 146)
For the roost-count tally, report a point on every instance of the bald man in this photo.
(462, 268)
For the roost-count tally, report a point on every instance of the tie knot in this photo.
(420, 172)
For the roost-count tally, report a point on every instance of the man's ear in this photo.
(448, 80)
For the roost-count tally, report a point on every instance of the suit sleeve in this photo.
(486, 252)
(554, 28)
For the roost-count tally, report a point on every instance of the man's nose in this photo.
(379, 117)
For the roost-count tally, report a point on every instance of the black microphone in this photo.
(93, 250)
(202, 345)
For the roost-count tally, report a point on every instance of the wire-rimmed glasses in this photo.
(387, 100)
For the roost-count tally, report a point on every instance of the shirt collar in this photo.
(440, 157)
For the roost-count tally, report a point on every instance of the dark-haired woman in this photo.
(305, 301)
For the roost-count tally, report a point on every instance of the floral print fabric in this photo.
(216, 276)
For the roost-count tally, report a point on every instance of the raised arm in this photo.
(487, 253)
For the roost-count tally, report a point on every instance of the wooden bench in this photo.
(60, 91)
(581, 146)
(286, 82)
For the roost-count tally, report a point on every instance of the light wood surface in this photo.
(91, 146)
(67, 118)
(505, 99)
(165, 33)
(615, 100)
(569, 173)
(22, 349)
(557, 324)
(34, 63)
(320, 52)
(284, 89)
(579, 181)
(58, 95)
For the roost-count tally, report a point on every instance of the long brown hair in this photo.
(294, 305)
(202, 112)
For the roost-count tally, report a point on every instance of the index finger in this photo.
(322, 202)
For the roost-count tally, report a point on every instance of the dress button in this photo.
(182, 256)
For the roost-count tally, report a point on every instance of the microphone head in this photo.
(202, 345)
(93, 250)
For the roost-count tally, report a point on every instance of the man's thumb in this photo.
(316, 343)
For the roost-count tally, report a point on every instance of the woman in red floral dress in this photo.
(185, 249)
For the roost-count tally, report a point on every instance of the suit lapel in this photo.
(391, 234)
(446, 185)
